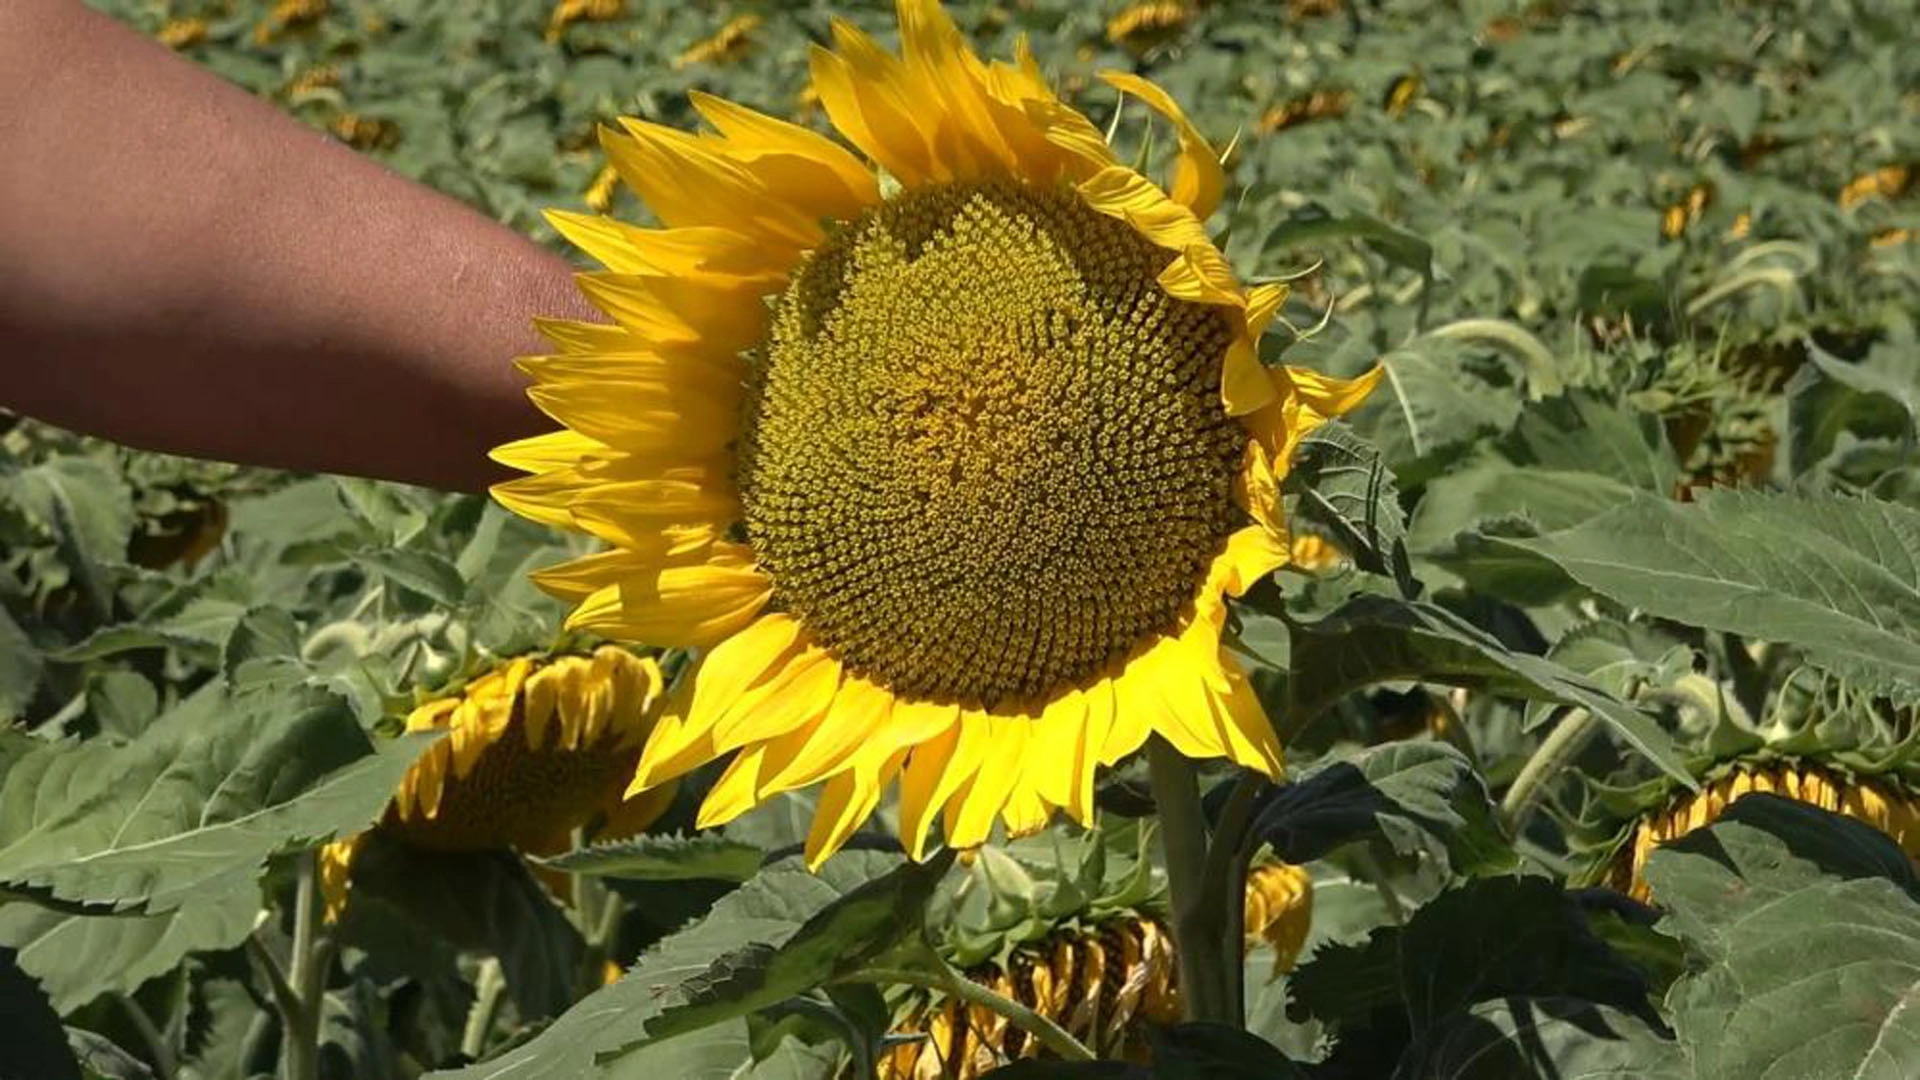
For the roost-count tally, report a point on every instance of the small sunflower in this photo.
(946, 464)
(535, 748)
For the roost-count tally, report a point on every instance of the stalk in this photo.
(1198, 918)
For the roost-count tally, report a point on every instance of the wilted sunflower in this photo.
(947, 463)
(535, 748)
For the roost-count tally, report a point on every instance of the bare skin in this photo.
(184, 269)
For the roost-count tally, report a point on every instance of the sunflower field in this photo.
(1246, 539)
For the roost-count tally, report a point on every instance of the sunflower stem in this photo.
(1225, 877)
(950, 982)
(1554, 754)
(1198, 922)
(306, 972)
(488, 991)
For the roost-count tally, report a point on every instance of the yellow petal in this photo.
(709, 252)
(585, 338)
(804, 166)
(1129, 721)
(668, 412)
(687, 181)
(1251, 554)
(793, 698)
(542, 498)
(971, 813)
(750, 658)
(577, 579)
(846, 802)
(927, 765)
(734, 793)
(806, 755)
(865, 93)
(721, 317)
(1245, 731)
(1198, 180)
(657, 514)
(546, 453)
(1175, 697)
(690, 605)
(1119, 192)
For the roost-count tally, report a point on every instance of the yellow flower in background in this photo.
(728, 44)
(1875, 803)
(536, 748)
(946, 463)
(1143, 27)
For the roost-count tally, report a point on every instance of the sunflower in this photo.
(535, 748)
(1104, 984)
(1882, 803)
(945, 460)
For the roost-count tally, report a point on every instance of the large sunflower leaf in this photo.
(839, 938)
(1373, 639)
(1837, 577)
(664, 858)
(587, 1040)
(1490, 939)
(1812, 933)
(1562, 1038)
(79, 957)
(1402, 791)
(196, 804)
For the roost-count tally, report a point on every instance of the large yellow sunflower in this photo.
(945, 459)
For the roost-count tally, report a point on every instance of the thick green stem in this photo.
(1554, 754)
(947, 981)
(1198, 919)
(306, 973)
(1225, 876)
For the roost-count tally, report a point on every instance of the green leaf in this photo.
(20, 666)
(35, 1046)
(663, 858)
(80, 497)
(724, 1052)
(1375, 639)
(195, 804)
(427, 574)
(1522, 1038)
(1430, 403)
(1489, 939)
(100, 1058)
(1313, 225)
(79, 957)
(770, 908)
(480, 901)
(1812, 934)
(1838, 577)
(1580, 432)
(842, 936)
(1397, 790)
(1343, 486)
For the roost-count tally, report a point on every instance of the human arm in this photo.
(183, 268)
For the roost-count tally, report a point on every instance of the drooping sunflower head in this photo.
(945, 459)
(535, 748)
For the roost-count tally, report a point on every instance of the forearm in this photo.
(184, 269)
